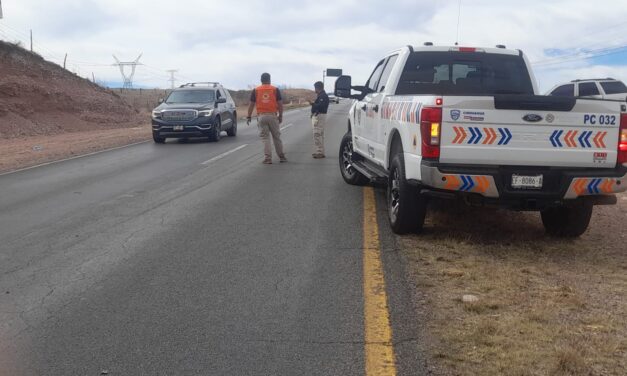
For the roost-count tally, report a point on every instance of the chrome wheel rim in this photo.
(394, 196)
(347, 159)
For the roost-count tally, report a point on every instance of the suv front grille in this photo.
(179, 115)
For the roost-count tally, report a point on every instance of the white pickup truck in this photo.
(461, 122)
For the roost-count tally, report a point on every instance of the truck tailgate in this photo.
(482, 131)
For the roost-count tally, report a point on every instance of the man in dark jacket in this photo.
(319, 110)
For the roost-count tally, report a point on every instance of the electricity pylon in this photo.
(128, 79)
(172, 80)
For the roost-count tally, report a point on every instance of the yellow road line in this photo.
(379, 350)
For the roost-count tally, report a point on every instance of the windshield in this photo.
(191, 96)
(614, 87)
(464, 73)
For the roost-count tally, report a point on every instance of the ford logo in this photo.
(532, 118)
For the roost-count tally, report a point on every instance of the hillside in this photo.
(40, 98)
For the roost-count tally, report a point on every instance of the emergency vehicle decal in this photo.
(406, 112)
(488, 135)
(574, 139)
(467, 183)
(595, 186)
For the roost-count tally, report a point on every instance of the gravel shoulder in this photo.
(16, 153)
(545, 306)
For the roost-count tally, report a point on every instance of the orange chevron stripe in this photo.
(452, 182)
(607, 186)
(458, 135)
(482, 184)
(580, 186)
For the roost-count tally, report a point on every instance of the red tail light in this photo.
(430, 129)
(467, 49)
(622, 140)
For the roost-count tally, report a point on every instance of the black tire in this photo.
(232, 132)
(158, 140)
(350, 175)
(216, 131)
(406, 207)
(567, 221)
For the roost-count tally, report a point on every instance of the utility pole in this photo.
(128, 79)
(1, 9)
(93, 77)
(31, 40)
(64, 60)
(172, 80)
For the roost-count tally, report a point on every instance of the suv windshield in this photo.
(191, 96)
(614, 87)
(464, 73)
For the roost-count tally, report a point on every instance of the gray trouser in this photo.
(269, 125)
(318, 123)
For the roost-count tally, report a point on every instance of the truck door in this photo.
(365, 132)
(376, 121)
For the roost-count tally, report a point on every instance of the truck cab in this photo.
(468, 123)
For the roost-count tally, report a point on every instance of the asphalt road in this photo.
(193, 258)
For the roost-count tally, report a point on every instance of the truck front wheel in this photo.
(349, 174)
(406, 207)
(568, 221)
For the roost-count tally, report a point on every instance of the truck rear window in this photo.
(614, 87)
(464, 73)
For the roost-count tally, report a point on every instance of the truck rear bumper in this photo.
(492, 184)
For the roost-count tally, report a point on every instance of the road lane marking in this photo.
(218, 157)
(379, 349)
(75, 157)
(287, 126)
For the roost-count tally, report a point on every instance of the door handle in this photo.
(364, 107)
(375, 108)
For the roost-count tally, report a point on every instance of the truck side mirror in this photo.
(343, 87)
(220, 100)
(160, 100)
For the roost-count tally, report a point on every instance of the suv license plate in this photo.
(179, 127)
(527, 182)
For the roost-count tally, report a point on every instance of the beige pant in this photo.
(269, 125)
(319, 122)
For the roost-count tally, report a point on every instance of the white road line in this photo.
(287, 126)
(218, 157)
(76, 157)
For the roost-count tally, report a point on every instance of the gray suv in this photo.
(199, 109)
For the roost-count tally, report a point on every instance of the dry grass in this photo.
(546, 306)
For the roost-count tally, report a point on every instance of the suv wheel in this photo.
(216, 131)
(232, 132)
(567, 221)
(406, 206)
(350, 175)
(158, 140)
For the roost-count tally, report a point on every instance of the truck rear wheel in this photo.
(406, 207)
(567, 221)
(350, 175)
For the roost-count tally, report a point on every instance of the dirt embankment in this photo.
(40, 98)
(546, 306)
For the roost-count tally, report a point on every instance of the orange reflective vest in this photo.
(266, 101)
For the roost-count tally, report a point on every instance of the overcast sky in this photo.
(234, 41)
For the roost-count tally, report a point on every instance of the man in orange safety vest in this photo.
(269, 104)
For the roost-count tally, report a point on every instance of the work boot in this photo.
(282, 158)
(267, 161)
(318, 156)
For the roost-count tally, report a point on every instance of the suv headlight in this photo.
(205, 113)
(156, 114)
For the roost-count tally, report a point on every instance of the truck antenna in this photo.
(459, 12)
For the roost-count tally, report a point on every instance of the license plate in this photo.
(179, 127)
(527, 182)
